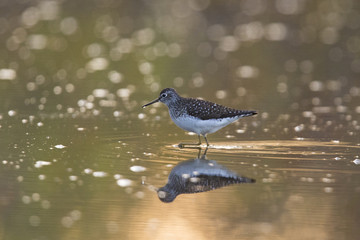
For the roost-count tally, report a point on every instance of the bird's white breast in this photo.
(202, 127)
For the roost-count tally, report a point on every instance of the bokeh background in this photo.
(276, 56)
(75, 143)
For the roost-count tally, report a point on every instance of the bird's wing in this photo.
(207, 110)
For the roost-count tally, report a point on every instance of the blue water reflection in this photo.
(198, 175)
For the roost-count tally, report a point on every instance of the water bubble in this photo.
(137, 168)
(67, 221)
(73, 178)
(37, 41)
(252, 31)
(229, 44)
(115, 77)
(247, 71)
(144, 36)
(68, 26)
(75, 215)
(110, 34)
(328, 189)
(88, 171)
(178, 82)
(123, 93)
(97, 64)
(140, 195)
(327, 180)
(100, 93)
(31, 86)
(7, 74)
(30, 16)
(39, 164)
(11, 113)
(141, 116)
(48, 10)
(334, 85)
(276, 31)
(308, 114)
(198, 80)
(94, 50)
(117, 113)
(282, 87)
(99, 174)
(241, 91)
(124, 45)
(35, 197)
(221, 94)
(316, 86)
(57, 90)
(174, 50)
(240, 131)
(59, 146)
(124, 182)
(69, 87)
(146, 68)
(160, 49)
(117, 176)
(26, 199)
(229, 136)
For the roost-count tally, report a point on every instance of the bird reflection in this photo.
(198, 175)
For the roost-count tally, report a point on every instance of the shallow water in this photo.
(101, 182)
(80, 158)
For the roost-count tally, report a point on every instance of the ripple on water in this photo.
(289, 153)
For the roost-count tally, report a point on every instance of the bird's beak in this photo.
(156, 100)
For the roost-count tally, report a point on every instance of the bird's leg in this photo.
(204, 154)
(182, 145)
(207, 143)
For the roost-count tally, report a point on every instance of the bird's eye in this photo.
(163, 95)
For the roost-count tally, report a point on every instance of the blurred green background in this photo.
(73, 78)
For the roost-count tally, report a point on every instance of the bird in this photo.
(196, 115)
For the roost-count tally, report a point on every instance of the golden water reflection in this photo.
(75, 144)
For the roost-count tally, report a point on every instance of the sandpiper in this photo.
(196, 115)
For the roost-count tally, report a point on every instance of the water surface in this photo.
(80, 158)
